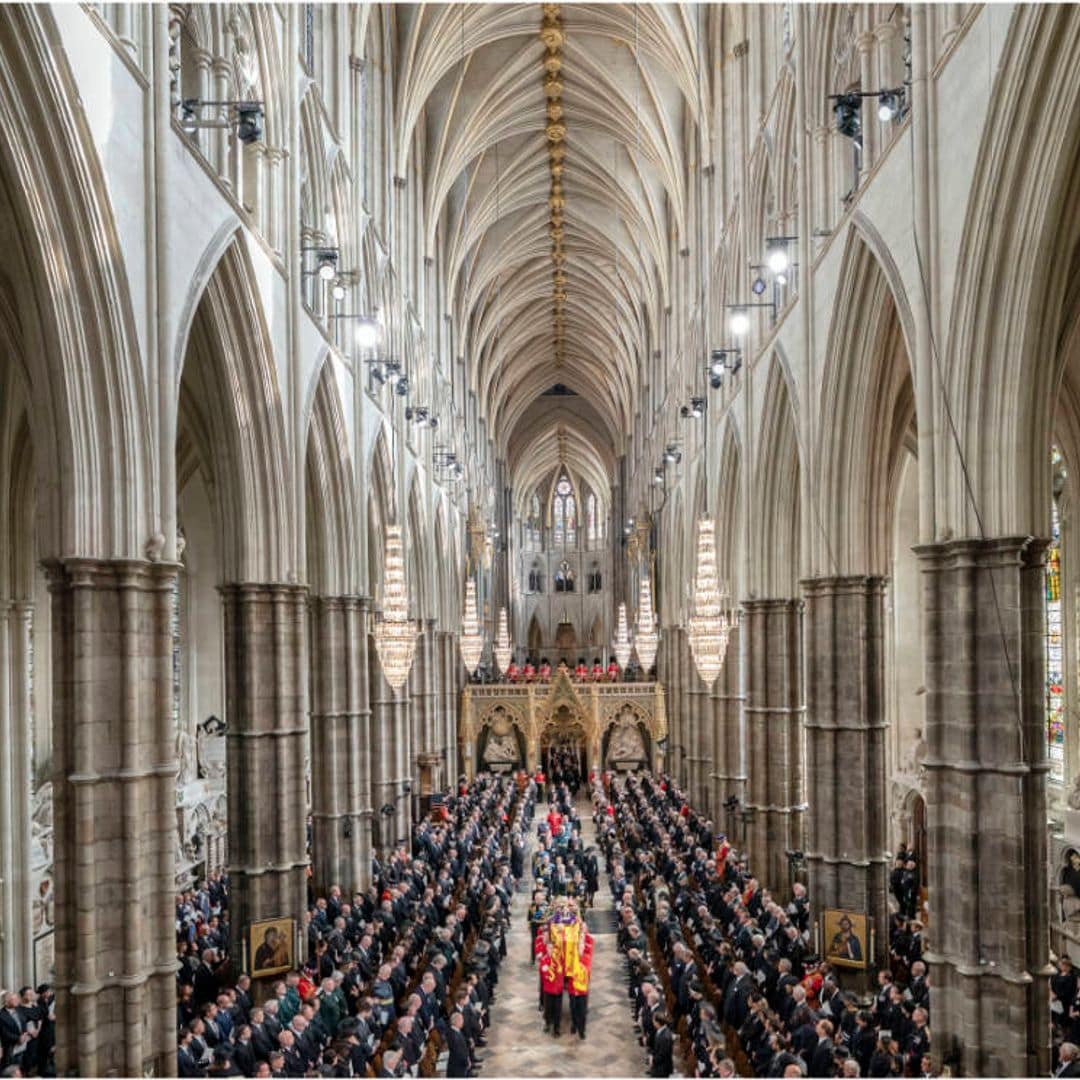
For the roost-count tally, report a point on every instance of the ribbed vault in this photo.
(476, 95)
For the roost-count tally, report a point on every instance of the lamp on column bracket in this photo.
(472, 634)
(395, 634)
(504, 647)
(621, 647)
(646, 637)
(708, 629)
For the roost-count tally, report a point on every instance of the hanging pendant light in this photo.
(472, 634)
(395, 635)
(504, 648)
(708, 629)
(621, 648)
(646, 637)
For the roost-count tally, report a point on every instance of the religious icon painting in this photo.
(845, 937)
(272, 944)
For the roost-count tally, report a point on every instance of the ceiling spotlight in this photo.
(188, 116)
(326, 264)
(888, 106)
(672, 454)
(846, 110)
(697, 407)
(249, 116)
(716, 377)
(777, 258)
(367, 333)
(401, 387)
(716, 362)
(658, 477)
(739, 322)
(338, 291)
(781, 279)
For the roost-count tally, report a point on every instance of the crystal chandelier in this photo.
(472, 634)
(646, 637)
(708, 630)
(621, 647)
(504, 648)
(395, 634)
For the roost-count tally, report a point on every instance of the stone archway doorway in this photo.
(564, 747)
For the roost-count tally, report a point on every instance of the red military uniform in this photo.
(530, 671)
(613, 671)
(545, 672)
(597, 671)
(578, 989)
(512, 672)
(552, 983)
(581, 672)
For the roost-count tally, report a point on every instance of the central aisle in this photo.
(517, 1045)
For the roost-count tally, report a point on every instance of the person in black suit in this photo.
(244, 1051)
(458, 1062)
(821, 1057)
(663, 1045)
(186, 1065)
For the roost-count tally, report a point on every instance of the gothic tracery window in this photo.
(592, 518)
(564, 512)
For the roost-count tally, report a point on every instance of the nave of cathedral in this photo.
(520, 515)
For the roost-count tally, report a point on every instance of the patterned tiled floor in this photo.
(517, 1045)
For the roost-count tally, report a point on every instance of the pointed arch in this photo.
(1003, 357)
(329, 495)
(86, 383)
(728, 513)
(867, 415)
(230, 416)
(777, 484)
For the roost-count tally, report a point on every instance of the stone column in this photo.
(340, 748)
(114, 821)
(983, 606)
(847, 831)
(16, 769)
(451, 697)
(729, 741)
(698, 734)
(392, 741)
(265, 705)
(776, 800)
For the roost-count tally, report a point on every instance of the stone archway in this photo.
(564, 743)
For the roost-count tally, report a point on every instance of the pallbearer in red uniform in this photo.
(552, 983)
(577, 985)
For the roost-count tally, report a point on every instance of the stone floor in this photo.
(517, 1045)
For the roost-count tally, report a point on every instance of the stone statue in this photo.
(501, 749)
(211, 754)
(1074, 794)
(185, 756)
(626, 742)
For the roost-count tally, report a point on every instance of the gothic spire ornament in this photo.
(504, 647)
(708, 629)
(646, 637)
(395, 634)
(472, 634)
(621, 647)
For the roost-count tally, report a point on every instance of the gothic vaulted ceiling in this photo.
(555, 141)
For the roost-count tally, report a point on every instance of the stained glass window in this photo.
(1055, 666)
(565, 512)
(590, 517)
